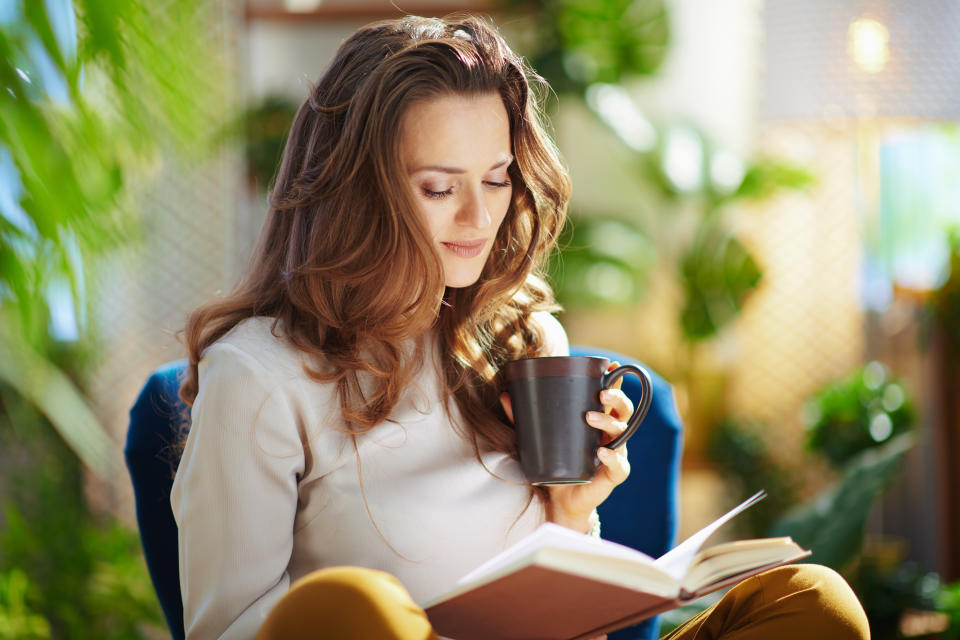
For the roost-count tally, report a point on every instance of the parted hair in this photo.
(343, 263)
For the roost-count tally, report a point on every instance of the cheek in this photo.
(502, 205)
(433, 216)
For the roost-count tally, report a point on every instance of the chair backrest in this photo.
(640, 513)
(156, 423)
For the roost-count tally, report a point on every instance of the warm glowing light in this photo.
(869, 44)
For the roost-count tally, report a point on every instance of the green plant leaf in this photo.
(54, 394)
(866, 408)
(741, 450)
(17, 621)
(948, 603)
(832, 524)
(604, 261)
(578, 42)
(87, 106)
(768, 175)
(718, 275)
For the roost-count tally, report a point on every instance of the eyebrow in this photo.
(455, 170)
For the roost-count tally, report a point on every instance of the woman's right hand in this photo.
(572, 505)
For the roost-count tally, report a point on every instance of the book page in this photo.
(677, 561)
(555, 537)
(731, 558)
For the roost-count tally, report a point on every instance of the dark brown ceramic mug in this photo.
(550, 399)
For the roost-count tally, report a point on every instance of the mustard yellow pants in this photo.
(796, 601)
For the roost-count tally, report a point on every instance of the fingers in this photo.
(617, 403)
(619, 381)
(613, 421)
(616, 465)
(507, 405)
(607, 423)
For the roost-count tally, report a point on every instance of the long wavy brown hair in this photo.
(343, 263)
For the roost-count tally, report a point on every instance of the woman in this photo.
(346, 398)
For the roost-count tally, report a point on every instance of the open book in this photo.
(557, 583)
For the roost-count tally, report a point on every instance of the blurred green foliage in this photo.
(948, 603)
(262, 130)
(85, 575)
(586, 50)
(832, 523)
(715, 270)
(580, 42)
(98, 95)
(942, 310)
(861, 425)
(718, 273)
(888, 589)
(17, 621)
(769, 175)
(94, 89)
(865, 409)
(670, 620)
(740, 450)
(604, 261)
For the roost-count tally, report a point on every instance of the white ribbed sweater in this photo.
(269, 487)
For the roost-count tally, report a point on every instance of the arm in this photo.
(235, 497)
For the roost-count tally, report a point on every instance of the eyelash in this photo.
(440, 195)
(437, 195)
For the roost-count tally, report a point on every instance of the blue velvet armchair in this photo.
(641, 513)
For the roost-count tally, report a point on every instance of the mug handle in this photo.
(640, 412)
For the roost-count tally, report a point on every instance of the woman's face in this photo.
(456, 150)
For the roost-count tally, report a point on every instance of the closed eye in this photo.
(440, 195)
(437, 195)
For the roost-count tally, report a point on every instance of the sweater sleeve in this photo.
(235, 497)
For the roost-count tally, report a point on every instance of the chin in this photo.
(462, 278)
(461, 283)
(463, 273)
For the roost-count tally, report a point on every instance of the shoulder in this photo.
(251, 364)
(555, 342)
(254, 347)
(250, 382)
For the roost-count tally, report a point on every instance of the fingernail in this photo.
(604, 453)
(593, 416)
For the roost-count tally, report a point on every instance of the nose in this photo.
(474, 212)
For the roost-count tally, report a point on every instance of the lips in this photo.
(466, 248)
